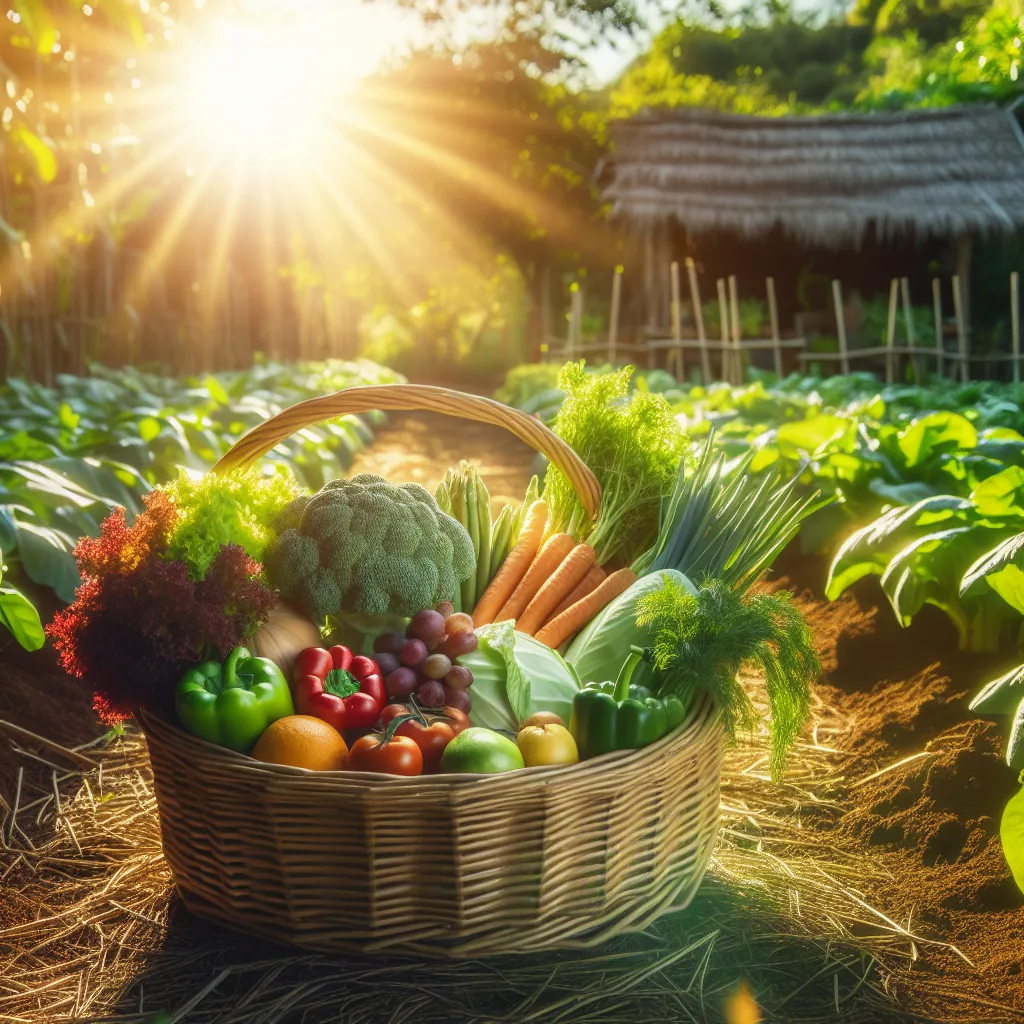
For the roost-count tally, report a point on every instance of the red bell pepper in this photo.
(343, 690)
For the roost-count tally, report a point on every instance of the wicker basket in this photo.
(447, 865)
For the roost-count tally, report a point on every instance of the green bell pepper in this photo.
(231, 705)
(619, 716)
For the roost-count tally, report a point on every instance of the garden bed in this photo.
(877, 863)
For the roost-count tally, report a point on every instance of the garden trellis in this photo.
(674, 345)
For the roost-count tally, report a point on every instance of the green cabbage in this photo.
(514, 676)
(600, 649)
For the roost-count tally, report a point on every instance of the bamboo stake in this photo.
(698, 317)
(773, 316)
(940, 341)
(675, 356)
(723, 317)
(1015, 323)
(908, 322)
(890, 334)
(961, 329)
(837, 298)
(734, 313)
(613, 320)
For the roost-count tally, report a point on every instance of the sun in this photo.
(270, 89)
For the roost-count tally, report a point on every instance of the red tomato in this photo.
(431, 738)
(398, 756)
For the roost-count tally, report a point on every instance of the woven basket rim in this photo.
(701, 716)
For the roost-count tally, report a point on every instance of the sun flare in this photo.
(268, 90)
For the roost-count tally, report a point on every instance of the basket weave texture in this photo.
(442, 866)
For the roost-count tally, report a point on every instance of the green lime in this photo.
(481, 751)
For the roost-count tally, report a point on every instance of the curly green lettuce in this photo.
(230, 508)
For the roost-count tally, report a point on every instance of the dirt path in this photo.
(419, 447)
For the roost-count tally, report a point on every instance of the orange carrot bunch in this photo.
(550, 588)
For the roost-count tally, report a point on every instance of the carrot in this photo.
(574, 567)
(515, 567)
(595, 574)
(548, 559)
(573, 619)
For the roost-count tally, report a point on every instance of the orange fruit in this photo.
(302, 741)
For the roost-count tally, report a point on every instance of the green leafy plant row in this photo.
(70, 453)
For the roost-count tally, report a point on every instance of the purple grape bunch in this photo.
(423, 661)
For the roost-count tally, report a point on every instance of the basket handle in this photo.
(394, 397)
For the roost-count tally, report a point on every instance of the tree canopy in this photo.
(773, 59)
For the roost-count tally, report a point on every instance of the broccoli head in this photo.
(366, 546)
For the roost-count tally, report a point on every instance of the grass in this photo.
(90, 929)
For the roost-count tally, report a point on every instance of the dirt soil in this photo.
(930, 781)
(924, 791)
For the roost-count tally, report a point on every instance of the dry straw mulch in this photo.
(90, 929)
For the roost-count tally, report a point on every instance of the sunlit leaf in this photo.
(20, 617)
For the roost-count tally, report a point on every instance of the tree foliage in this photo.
(774, 59)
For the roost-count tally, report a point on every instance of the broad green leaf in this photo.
(1001, 696)
(870, 550)
(69, 419)
(148, 428)
(936, 432)
(1008, 583)
(1002, 494)
(20, 617)
(1008, 552)
(811, 434)
(1011, 833)
(46, 556)
(217, 392)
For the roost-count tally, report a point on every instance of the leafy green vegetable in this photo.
(19, 616)
(723, 522)
(701, 641)
(514, 676)
(71, 453)
(597, 652)
(945, 551)
(229, 508)
(631, 442)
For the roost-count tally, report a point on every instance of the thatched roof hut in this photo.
(825, 179)
(834, 181)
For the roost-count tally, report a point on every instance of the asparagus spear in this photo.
(501, 537)
(483, 553)
(468, 508)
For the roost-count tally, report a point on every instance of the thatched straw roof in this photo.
(824, 179)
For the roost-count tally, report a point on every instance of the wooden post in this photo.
(723, 316)
(961, 326)
(773, 316)
(734, 315)
(908, 323)
(890, 334)
(675, 360)
(1015, 323)
(837, 299)
(940, 340)
(698, 318)
(613, 317)
(963, 272)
